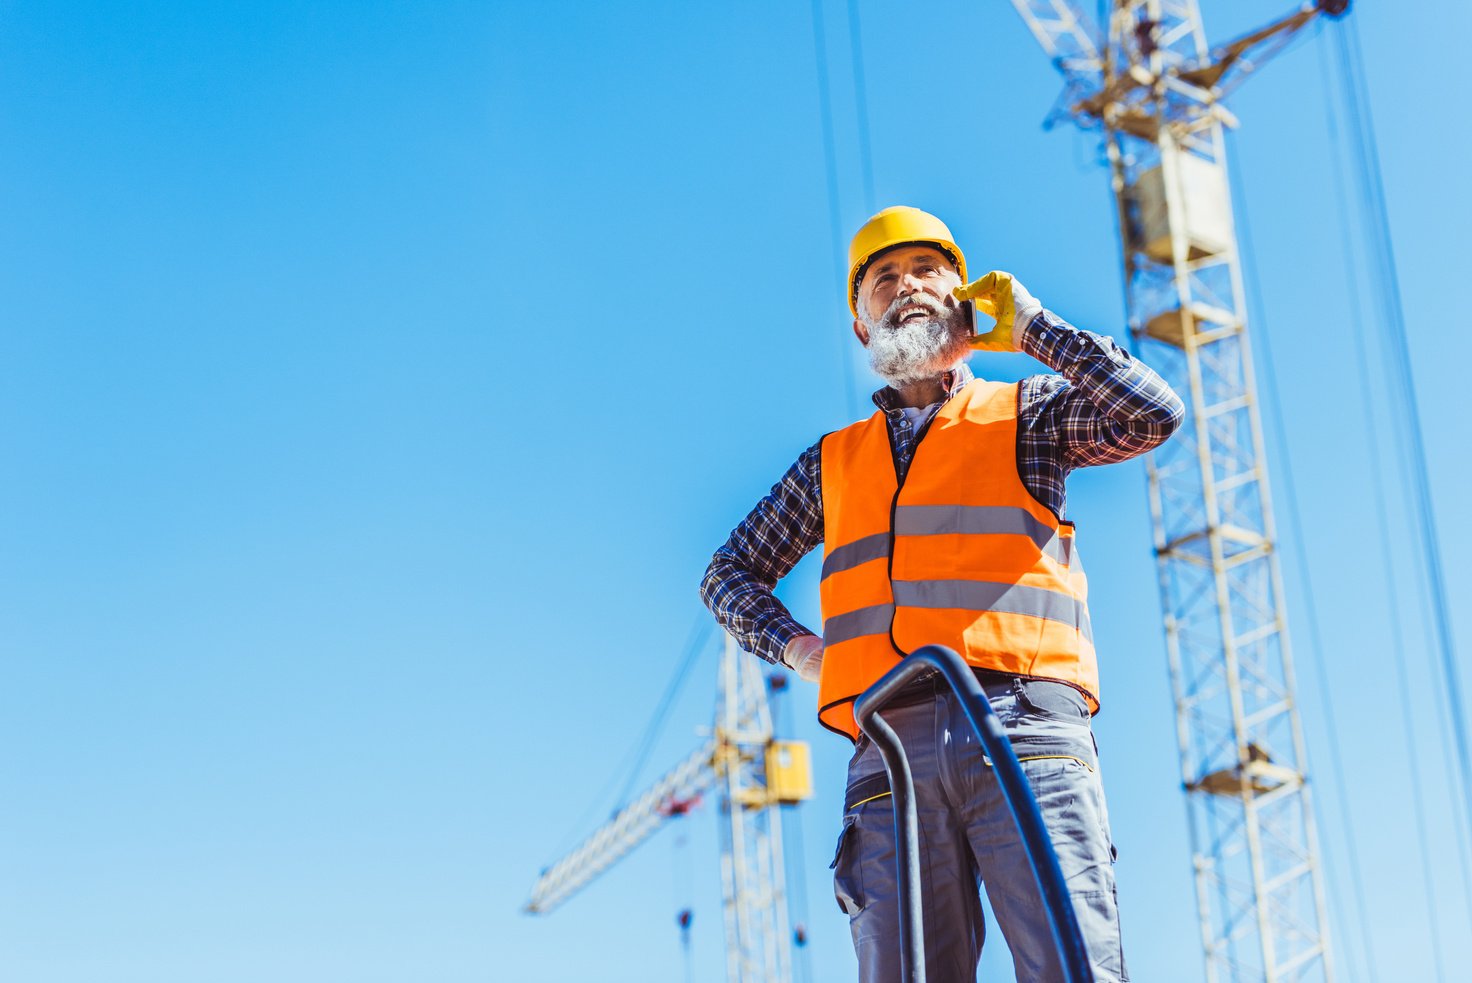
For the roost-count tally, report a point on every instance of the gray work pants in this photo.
(968, 839)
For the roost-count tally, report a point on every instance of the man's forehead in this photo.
(900, 254)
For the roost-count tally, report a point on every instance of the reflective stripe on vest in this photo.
(935, 520)
(961, 555)
(983, 595)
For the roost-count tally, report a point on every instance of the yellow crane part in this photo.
(789, 772)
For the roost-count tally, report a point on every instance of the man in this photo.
(942, 522)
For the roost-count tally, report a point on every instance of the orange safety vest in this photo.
(960, 555)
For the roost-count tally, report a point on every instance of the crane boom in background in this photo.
(632, 825)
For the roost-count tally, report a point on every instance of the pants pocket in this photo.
(848, 885)
(1052, 700)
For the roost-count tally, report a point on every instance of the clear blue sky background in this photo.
(377, 379)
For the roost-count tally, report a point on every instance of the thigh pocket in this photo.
(848, 884)
(1068, 795)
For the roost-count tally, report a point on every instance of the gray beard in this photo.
(905, 354)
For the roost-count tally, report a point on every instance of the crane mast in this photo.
(1154, 89)
(754, 891)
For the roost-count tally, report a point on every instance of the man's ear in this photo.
(861, 332)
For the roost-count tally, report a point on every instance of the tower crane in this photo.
(756, 775)
(1153, 86)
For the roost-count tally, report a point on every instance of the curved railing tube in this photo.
(1024, 808)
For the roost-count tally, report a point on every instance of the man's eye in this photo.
(929, 270)
(885, 278)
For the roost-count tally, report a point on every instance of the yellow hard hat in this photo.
(897, 226)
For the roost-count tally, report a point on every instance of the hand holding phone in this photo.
(992, 295)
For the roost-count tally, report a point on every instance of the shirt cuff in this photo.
(1039, 337)
(783, 632)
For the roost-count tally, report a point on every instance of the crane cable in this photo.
(835, 219)
(1367, 160)
(1295, 522)
(1393, 603)
(699, 635)
(1393, 600)
(1402, 672)
(861, 105)
(830, 157)
(634, 761)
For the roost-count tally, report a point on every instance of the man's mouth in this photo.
(911, 312)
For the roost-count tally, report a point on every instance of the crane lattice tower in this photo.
(1154, 89)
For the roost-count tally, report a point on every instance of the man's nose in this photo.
(910, 284)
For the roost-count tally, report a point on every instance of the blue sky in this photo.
(378, 378)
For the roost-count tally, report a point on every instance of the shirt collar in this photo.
(888, 399)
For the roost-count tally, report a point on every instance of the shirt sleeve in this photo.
(779, 531)
(1107, 406)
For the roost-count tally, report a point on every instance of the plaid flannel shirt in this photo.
(1102, 407)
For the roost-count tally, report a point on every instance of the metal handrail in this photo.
(1020, 802)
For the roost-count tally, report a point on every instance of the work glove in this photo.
(1001, 296)
(804, 656)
